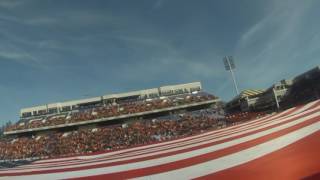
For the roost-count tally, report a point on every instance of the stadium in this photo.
(175, 131)
(159, 89)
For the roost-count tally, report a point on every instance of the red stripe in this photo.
(313, 106)
(300, 160)
(291, 111)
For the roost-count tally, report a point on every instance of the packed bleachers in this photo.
(118, 136)
(112, 110)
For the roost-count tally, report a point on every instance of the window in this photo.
(53, 110)
(26, 114)
(195, 89)
(66, 108)
(153, 95)
(42, 112)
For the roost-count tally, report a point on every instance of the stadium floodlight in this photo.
(230, 66)
(229, 63)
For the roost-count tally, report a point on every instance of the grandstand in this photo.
(116, 107)
(111, 122)
(282, 95)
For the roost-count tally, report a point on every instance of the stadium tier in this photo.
(67, 106)
(187, 96)
(118, 136)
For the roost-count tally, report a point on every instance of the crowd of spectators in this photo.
(240, 117)
(112, 110)
(132, 133)
(88, 140)
(305, 89)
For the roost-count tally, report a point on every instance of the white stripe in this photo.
(305, 107)
(237, 158)
(168, 159)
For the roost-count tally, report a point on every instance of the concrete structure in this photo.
(271, 98)
(168, 110)
(251, 100)
(244, 100)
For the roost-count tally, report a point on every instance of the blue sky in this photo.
(54, 50)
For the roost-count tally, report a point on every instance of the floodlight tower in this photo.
(230, 66)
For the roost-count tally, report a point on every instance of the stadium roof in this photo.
(247, 93)
(146, 92)
(250, 92)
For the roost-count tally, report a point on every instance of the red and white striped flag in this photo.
(285, 145)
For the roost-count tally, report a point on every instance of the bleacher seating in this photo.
(117, 136)
(112, 110)
(241, 117)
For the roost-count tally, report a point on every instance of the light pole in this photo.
(230, 66)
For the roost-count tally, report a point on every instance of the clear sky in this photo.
(56, 50)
